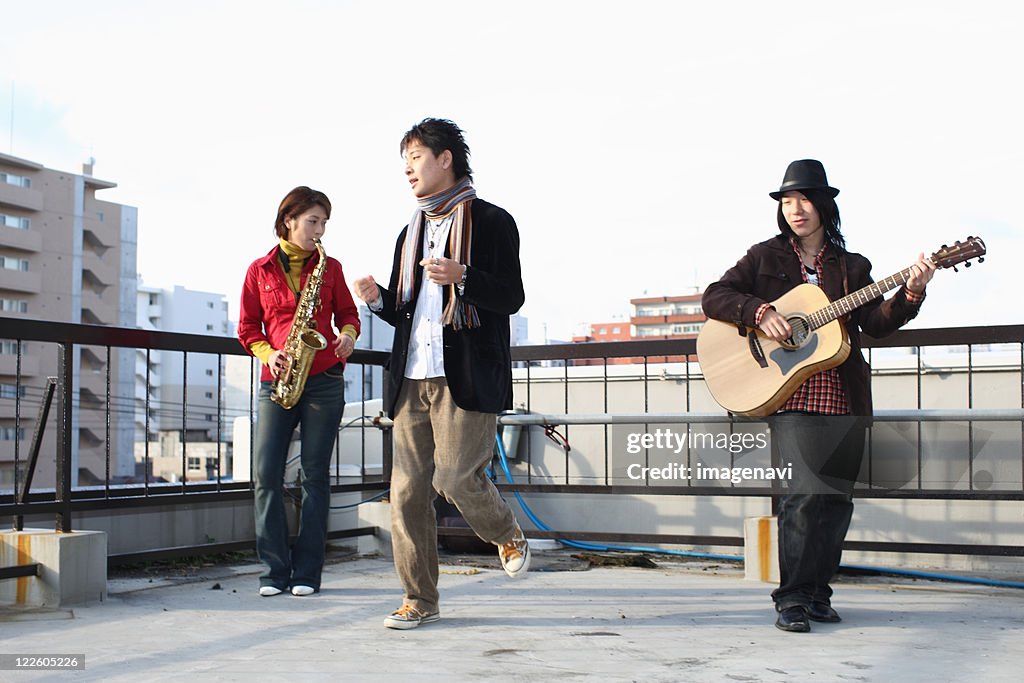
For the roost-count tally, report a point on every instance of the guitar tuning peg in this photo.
(981, 259)
(967, 264)
(955, 269)
(944, 246)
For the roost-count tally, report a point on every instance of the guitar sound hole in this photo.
(801, 332)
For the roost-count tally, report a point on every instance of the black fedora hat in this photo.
(805, 174)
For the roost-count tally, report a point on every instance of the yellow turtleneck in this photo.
(293, 276)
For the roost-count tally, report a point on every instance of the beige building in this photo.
(65, 256)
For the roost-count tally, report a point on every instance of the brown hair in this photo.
(296, 203)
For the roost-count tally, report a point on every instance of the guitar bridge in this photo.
(756, 351)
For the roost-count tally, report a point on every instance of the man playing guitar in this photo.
(817, 429)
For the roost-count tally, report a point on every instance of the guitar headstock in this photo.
(949, 257)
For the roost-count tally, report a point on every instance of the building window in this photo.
(209, 373)
(194, 463)
(9, 348)
(18, 180)
(18, 222)
(13, 306)
(99, 215)
(616, 330)
(603, 330)
(209, 327)
(209, 394)
(14, 263)
(209, 418)
(209, 304)
(12, 433)
(11, 390)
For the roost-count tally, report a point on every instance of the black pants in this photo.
(826, 454)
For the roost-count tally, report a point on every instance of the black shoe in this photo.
(793, 619)
(820, 611)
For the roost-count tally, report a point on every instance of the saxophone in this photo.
(303, 340)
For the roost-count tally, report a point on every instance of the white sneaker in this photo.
(267, 591)
(299, 589)
(515, 555)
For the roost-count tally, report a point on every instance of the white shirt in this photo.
(426, 345)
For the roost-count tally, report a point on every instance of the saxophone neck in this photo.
(322, 263)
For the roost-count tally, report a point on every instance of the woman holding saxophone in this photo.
(290, 298)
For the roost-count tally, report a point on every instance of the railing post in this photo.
(65, 370)
(21, 496)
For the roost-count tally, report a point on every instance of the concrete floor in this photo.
(677, 622)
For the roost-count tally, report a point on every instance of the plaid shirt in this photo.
(823, 393)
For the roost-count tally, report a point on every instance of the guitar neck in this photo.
(854, 300)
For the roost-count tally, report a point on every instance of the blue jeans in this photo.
(826, 454)
(319, 413)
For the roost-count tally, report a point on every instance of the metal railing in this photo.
(560, 364)
(561, 361)
(64, 500)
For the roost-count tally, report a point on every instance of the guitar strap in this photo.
(842, 264)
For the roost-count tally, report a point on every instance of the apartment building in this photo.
(65, 256)
(659, 317)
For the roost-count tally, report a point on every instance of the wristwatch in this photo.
(461, 284)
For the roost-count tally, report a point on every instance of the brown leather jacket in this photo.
(772, 268)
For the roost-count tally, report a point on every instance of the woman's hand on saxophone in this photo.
(344, 346)
(278, 363)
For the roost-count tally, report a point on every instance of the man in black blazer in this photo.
(455, 281)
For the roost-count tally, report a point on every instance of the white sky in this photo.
(634, 142)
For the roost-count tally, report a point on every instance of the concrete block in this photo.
(761, 549)
(73, 567)
(376, 514)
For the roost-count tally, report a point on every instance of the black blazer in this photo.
(772, 268)
(477, 361)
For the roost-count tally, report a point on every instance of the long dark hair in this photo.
(828, 212)
(439, 135)
(297, 202)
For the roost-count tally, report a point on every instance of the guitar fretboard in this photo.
(841, 307)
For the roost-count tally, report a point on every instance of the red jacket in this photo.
(268, 307)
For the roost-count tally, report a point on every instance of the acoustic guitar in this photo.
(750, 374)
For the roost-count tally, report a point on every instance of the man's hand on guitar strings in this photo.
(775, 326)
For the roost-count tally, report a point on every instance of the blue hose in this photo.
(735, 558)
(594, 546)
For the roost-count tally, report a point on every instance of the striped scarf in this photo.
(457, 199)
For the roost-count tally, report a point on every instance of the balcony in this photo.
(20, 281)
(21, 197)
(29, 365)
(23, 240)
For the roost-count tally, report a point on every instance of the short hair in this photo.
(297, 202)
(828, 212)
(439, 135)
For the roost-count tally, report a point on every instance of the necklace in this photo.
(433, 230)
